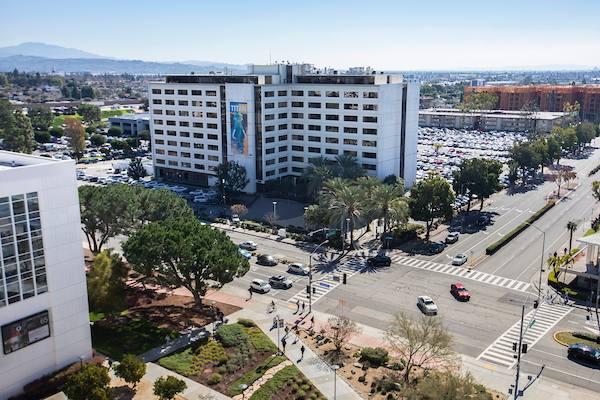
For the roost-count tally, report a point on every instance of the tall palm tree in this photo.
(347, 203)
(391, 205)
(572, 227)
(318, 171)
(368, 184)
(348, 167)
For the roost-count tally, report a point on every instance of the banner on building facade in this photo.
(26, 331)
(239, 128)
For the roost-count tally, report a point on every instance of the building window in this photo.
(211, 92)
(331, 117)
(297, 148)
(332, 94)
(172, 123)
(184, 113)
(211, 104)
(297, 159)
(282, 93)
(172, 153)
(269, 105)
(297, 169)
(211, 126)
(156, 91)
(352, 142)
(199, 166)
(351, 118)
(185, 144)
(171, 143)
(270, 140)
(369, 155)
(282, 104)
(282, 116)
(159, 141)
(331, 151)
(269, 94)
(297, 93)
(182, 92)
(314, 128)
(172, 133)
(332, 105)
(213, 147)
(198, 124)
(283, 159)
(173, 163)
(160, 161)
(160, 151)
(157, 112)
(368, 131)
(196, 103)
(314, 150)
(314, 116)
(370, 167)
(297, 115)
(270, 162)
(186, 165)
(170, 102)
(370, 95)
(270, 151)
(350, 106)
(314, 138)
(198, 145)
(298, 126)
(211, 115)
(348, 129)
(169, 91)
(314, 93)
(282, 149)
(199, 156)
(351, 94)
(369, 143)
(270, 173)
(370, 107)
(369, 119)
(269, 128)
(158, 121)
(198, 135)
(297, 137)
(212, 136)
(269, 117)
(183, 102)
(332, 129)
(184, 123)
(314, 105)
(170, 112)
(283, 170)
(332, 140)
(156, 101)
(351, 153)
(283, 137)
(186, 155)
(282, 127)
(158, 131)
(213, 158)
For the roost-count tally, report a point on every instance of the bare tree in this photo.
(561, 174)
(239, 209)
(340, 330)
(420, 342)
(271, 218)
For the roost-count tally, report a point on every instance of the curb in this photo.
(558, 341)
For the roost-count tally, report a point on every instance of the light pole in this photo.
(212, 303)
(310, 275)
(347, 231)
(274, 211)
(242, 388)
(224, 203)
(542, 258)
(335, 368)
(521, 334)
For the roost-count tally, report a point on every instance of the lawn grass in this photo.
(568, 338)
(260, 341)
(58, 121)
(135, 337)
(256, 373)
(274, 384)
(179, 362)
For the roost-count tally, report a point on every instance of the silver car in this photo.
(297, 268)
(427, 305)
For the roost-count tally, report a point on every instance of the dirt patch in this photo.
(144, 390)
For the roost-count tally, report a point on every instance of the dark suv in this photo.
(483, 220)
(584, 352)
(381, 260)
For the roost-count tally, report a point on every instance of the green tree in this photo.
(106, 284)
(186, 253)
(429, 199)
(136, 169)
(585, 133)
(76, 93)
(319, 170)
(119, 144)
(391, 205)
(167, 388)
(368, 185)
(89, 112)
(553, 148)
(130, 369)
(56, 82)
(7, 115)
(18, 136)
(41, 117)
(3, 80)
(57, 131)
(145, 135)
(92, 383)
(421, 341)
(596, 190)
(345, 203)
(525, 156)
(42, 137)
(316, 216)
(233, 177)
(75, 133)
(479, 176)
(115, 131)
(566, 137)
(448, 386)
(65, 91)
(87, 91)
(97, 139)
(348, 167)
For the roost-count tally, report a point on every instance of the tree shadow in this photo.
(123, 393)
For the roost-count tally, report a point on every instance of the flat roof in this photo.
(10, 159)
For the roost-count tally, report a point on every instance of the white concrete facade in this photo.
(41, 268)
(290, 117)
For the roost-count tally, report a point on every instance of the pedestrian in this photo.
(283, 343)
(302, 351)
(168, 338)
(567, 298)
(222, 317)
(312, 321)
(287, 330)
(250, 291)
(297, 306)
(302, 308)
(109, 364)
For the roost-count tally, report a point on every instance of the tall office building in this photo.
(278, 117)
(44, 316)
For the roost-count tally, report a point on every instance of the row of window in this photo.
(184, 92)
(331, 106)
(186, 124)
(301, 159)
(347, 129)
(194, 103)
(197, 135)
(318, 93)
(184, 164)
(333, 140)
(347, 118)
(299, 170)
(184, 113)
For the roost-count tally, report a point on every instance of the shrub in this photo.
(377, 356)
(248, 323)
(305, 380)
(313, 396)
(294, 388)
(301, 395)
(214, 379)
(587, 336)
(222, 369)
(231, 335)
(306, 388)
(223, 360)
(252, 376)
(398, 367)
(372, 390)
(361, 378)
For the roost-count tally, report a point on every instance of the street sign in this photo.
(389, 238)
(324, 284)
(330, 234)
(531, 324)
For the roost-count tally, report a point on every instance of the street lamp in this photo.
(542, 257)
(335, 368)
(521, 335)
(310, 275)
(348, 230)
(224, 206)
(212, 303)
(274, 210)
(242, 388)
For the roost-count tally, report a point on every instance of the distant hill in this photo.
(46, 51)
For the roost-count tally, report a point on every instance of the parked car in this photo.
(197, 192)
(380, 260)
(297, 268)
(245, 253)
(459, 292)
(460, 259)
(452, 238)
(483, 220)
(248, 245)
(427, 305)
(438, 247)
(200, 199)
(280, 281)
(258, 285)
(213, 200)
(584, 352)
(266, 259)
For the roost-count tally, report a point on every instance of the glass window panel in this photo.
(32, 195)
(10, 270)
(35, 224)
(23, 246)
(22, 237)
(38, 253)
(14, 292)
(34, 215)
(25, 266)
(2, 295)
(27, 295)
(6, 231)
(5, 221)
(8, 250)
(27, 285)
(42, 289)
(32, 204)
(40, 280)
(18, 204)
(39, 262)
(10, 260)
(21, 227)
(4, 209)
(20, 217)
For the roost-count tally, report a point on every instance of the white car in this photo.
(211, 193)
(248, 245)
(298, 268)
(460, 259)
(200, 199)
(258, 285)
(427, 305)
(197, 192)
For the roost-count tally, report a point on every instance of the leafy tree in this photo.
(525, 156)
(571, 112)
(55, 81)
(18, 136)
(239, 209)
(566, 137)
(115, 131)
(66, 91)
(420, 341)
(87, 91)
(186, 253)
(560, 174)
(368, 184)
(232, 176)
(553, 149)
(596, 190)
(585, 133)
(478, 101)
(316, 216)
(340, 330)
(57, 131)
(145, 135)
(92, 383)
(119, 144)
(75, 133)
(390, 180)
(89, 112)
(480, 176)
(131, 142)
(75, 93)
(167, 388)
(42, 137)
(106, 284)
(3, 80)
(41, 117)
(97, 139)
(390, 204)
(429, 199)
(136, 169)
(130, 369)
(7, 115)
(319, 170)
(345, 203)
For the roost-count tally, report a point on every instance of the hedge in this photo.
(273, 385)
(515, 232)
(231, 335)
(253, 375)
(564, 288)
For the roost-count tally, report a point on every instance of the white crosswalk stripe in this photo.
(501, 351)
(463, 272)
(327, 282)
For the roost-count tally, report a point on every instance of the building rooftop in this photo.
(9, 160)
(491, 113)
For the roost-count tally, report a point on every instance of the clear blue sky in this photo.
(392, 35)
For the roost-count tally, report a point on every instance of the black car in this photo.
(280, 281)
(213, 200)
(483, 220)
(438, 247)
(584, 352)
(265, 259)
(380, 260)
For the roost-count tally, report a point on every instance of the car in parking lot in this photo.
(379, 260)
(245, 253)
(584, 352)
(427, 305)
(248, 245)
(266, 259)
(197, 192)
(213, 200)
(438, 247)
(459, 259)
(258, 285)
(280, 281)
(298, 268)
(459, 292)
(483, 220)
(200, 199)
(452, 238)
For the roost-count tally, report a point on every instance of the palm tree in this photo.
(368, 184)
(318, 171)
(348, 167)
(572, 227)
(347, 203)
(390, 204)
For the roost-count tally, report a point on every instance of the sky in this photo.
(382, 34)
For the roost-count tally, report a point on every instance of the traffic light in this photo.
(344, 279)
(524, 348)
(314, 290)
(308, 289)
(515, 346)
(535, 304)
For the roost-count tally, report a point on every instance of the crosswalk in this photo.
(463, 272)
(501, 351)
(326, 283)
